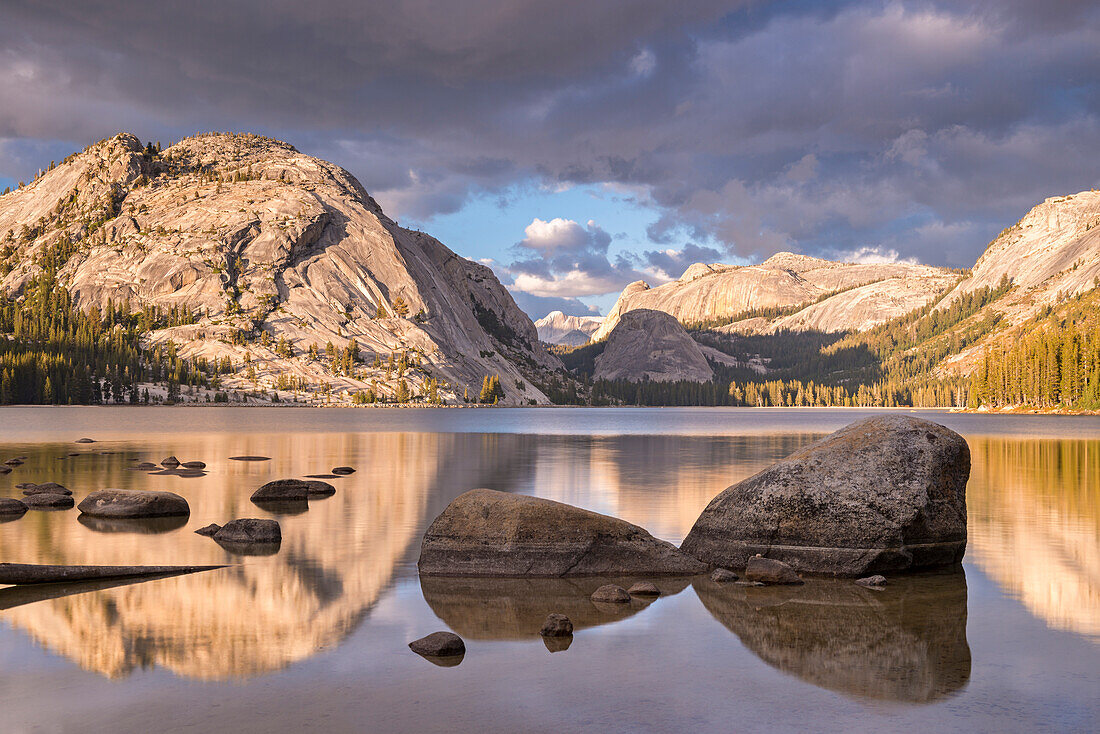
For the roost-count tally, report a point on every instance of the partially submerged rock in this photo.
(282, 490)
(46, 488)
(10, 506)
(28, 573)
(209, 531)
(723, 576)
(488, 533)
(884, 494)
(250, 458)
(14, 462)
(439, 645)
(84, 440)
(49, 501)
(872, 582)
(770, 571)
(249, 530)
(133, 503)
(171, 462)
(317, 488)
(556, 625)
(343, 470)
(611, 594)
(644, 588)
(194, 465)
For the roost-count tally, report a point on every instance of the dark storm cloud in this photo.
(915, 127)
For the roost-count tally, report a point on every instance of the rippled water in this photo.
(314, 637)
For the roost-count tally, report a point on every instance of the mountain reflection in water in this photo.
(1034, 525)
(261, 614)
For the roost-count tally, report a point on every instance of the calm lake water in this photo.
(314, 638)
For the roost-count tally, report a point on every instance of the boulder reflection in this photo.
(262, 613)
(905, 643)
(514, 609)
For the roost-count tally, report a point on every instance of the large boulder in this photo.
(249, 530)
(133, 503)
(883, 494)
(282, 490)
(488, 533)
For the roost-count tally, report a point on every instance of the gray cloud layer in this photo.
(918, 127)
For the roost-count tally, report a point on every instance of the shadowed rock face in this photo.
(651, 345)
(905, 643)
(883, 494)
(488, 533)
(515, 609)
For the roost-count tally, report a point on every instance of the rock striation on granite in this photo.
(488, 533)
(883, 494)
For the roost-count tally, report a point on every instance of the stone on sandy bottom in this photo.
(134, 503)
(872, 582)
(770, 571)
(611, 594)
(556, 625)
(439, 645)
(250, 530)
(723, 575)
(644, 588)
(282, 490)
(488, 533)
(883, 494)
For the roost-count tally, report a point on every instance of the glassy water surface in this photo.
(314, 637)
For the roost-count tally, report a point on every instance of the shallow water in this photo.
(314, 637)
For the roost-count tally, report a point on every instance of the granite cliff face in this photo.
(255, 237)
(708, 292)
(651, 345)
(557, 328)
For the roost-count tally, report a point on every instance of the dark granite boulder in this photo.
(133, 503)
(46, 488)
(488, 533)
(884, 494)
(317, 489)
(9, 506)
(282, 490)
(439, 645)
(49, 501)
(770, 572)
(556, 625)
(611, 594)
(249, 530)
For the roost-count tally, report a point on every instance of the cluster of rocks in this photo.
(885, 494)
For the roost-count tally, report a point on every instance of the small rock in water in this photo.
(49, 501)
(282, 490)
(25, 485)
(171, 462)
(9, 506)
(14, 462)
(75, 453)
(556, 625)
(134, 503)
(85, 440)
(249, 530)
(439, 645)
(194, 465)
(322, 476)
(4, 469)
(146, 465)
(209, 531)
(343, 470)
(770, 571)
(723, 575)
(46, 488)
(611, 594)
(250, 458)
(873, 582)
(319, 489)
(644, 588)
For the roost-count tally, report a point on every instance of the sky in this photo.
(575, 146)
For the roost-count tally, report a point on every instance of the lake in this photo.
(314, 638)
